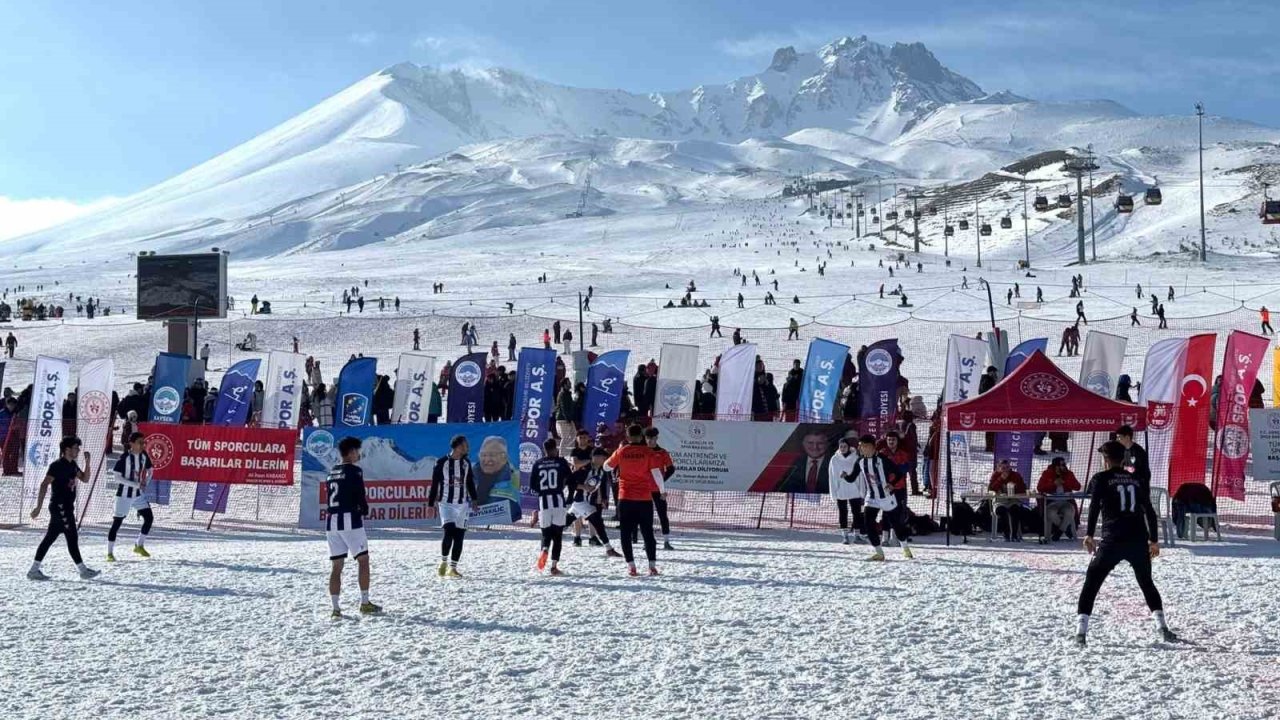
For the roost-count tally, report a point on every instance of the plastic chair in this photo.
(1164, 511)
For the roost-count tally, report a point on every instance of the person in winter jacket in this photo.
(1006, 481)
(1058, 479)
(847, 489)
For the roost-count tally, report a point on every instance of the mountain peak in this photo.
(783, 59)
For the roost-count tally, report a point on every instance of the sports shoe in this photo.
(844, 539)
(1080, 640)
(453, 572)
(556, 572)
(632, 572)
(368, 608)
(34, 574)
(141, 551)
(542, 561)
(611, 553)
(577, 541)
(1168, 635)
(877, 556)
(653, 571)
(443, 569)
(906, 553)
(111, 557)
(593, 541)
(335, 614)
(666, 545)
(88, 573)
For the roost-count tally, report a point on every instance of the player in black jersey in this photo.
(1128, 534)
(549, 478)
(580, 459)
(133, 474)
(345, 510)
(61, 479)
(590, 492)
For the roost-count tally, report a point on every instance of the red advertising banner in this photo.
(221, 453)
(1245, 353)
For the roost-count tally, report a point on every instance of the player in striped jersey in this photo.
(668, 468)
(345, 509)
(590, 490)
(453, 489)
(549, 478)
(580, 459)
(639, 476)
(874, 470)
(133, 472)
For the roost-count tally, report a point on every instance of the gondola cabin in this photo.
(1064, 201)
(1270, 212)
(1006, 223)
(933, 210)
(985, 229)
(964, 224)
(1153, 197)
(906, 214)
(1041, 204)
(1124, 204)
(891, 215)
(949, 230)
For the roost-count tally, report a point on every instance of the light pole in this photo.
(977, 234)
(1026, 233)
(1093, 233)
(1200, 123)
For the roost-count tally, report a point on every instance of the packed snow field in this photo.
(739, 625)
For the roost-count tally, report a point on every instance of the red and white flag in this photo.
(1191, 415)
(1162, 372)
(1245, 353)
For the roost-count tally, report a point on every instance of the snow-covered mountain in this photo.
(414, 153)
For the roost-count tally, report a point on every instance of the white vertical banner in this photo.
(965, 357)
(736, 382)
(1162, 371)
(282, 390)
(1162, 374)
(413, 388)
(49, 389)
(93, 406)
(1100, 366)
(677, 373)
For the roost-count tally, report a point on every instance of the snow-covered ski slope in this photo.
(411, 155)
(740, 625)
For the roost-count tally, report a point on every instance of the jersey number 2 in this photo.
(333, 494)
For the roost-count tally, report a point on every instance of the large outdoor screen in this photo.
(182, 286)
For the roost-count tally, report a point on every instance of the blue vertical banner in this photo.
(535, 393)
(167, 392)
(606, 379)
(878, 386)
(821, 387)
(235, 399)
(466, 390)
(1019, 447)
(355, 392)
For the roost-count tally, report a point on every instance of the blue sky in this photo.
(101, 99)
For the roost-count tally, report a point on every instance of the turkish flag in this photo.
(1191, 423)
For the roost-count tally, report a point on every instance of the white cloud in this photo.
(366, 38)
(763, 44)
(461, 48)
(19, 217)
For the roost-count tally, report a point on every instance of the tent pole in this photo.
(951, 515)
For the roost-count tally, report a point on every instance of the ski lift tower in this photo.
(1079, 167)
